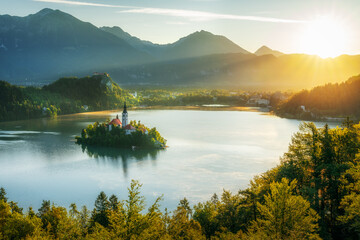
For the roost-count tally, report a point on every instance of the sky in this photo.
(324, 27)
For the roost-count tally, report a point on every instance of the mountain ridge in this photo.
(42, 47)
(264, 50)
(199, 43)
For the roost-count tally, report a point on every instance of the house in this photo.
(134, 94)
(114, 123)
(101, 74)
(129, 129)
(254, 99)
(262, 102)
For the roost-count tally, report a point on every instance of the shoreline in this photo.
(191, 108)
(160, 107)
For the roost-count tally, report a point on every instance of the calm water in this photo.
(209, 151)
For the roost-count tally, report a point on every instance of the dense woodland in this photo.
(66, 95)
(73, 95)
(98, 134)
(312, 194)
(335, 100)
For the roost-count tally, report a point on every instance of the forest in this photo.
(99, 92)
(334, 100)
(64, 96)
(312, 194)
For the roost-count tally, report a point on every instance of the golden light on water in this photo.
(325, 37)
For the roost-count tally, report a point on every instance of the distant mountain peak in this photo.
(200, 43)
(204, 32)
(201, 33)
(265, 50)
(45, 11)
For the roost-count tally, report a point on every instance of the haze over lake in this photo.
(208, 151)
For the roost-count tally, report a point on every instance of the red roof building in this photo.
(115, 122)
(129, 127)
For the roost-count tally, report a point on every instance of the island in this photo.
(121, 134)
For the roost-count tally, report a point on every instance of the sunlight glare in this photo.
(325, 37)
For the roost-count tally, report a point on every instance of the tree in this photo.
(113, 202)
(186, 205)
(100, 214)
(206, 214)
(3, 194)
(285, 215)
(350, 204)
(181, 227)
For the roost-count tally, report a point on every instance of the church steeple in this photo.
(125, 111)
(125, 116)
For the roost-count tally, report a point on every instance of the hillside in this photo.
(246, 71)
(333, 100)
(137, 43)
(64, 96)
(197, 44)
(200, 44)
(264, 50)
(52, 43)
(40, 48)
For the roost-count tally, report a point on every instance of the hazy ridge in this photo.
(50, 44)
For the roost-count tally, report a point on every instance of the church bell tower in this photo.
(125, 116)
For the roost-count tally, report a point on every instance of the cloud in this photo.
(83, 3)
(187, 14)
(205, 16)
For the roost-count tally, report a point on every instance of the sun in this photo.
(325, 37)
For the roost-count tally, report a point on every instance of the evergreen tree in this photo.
(100, 214)
(285, 215)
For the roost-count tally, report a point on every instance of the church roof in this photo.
(129, 127)
(115, 122)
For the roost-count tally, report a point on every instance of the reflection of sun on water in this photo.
(326, 37)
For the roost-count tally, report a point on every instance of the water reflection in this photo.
(119, 157)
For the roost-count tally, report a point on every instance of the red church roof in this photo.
(115, 122)
(129, 127)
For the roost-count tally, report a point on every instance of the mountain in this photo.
(52, 43)
(264, 50)
(42, 47)
(197, 44)
(200, 44)
(335, 100)
(133, 41)
(245, 71)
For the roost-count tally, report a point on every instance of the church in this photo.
(122, 124)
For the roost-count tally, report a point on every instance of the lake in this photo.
(208, 151)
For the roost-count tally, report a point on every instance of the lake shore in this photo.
(194, 108)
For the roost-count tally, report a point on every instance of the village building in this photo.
(115, 123)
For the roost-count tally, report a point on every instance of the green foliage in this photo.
(318, 158)
(100, 135)
(329, 100)
(183, 97)
(99, 92)
(64, 96)
(100, 212)
(285, 215)
(313, 193)
(351, 202)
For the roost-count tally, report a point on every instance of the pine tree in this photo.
(285, 215)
